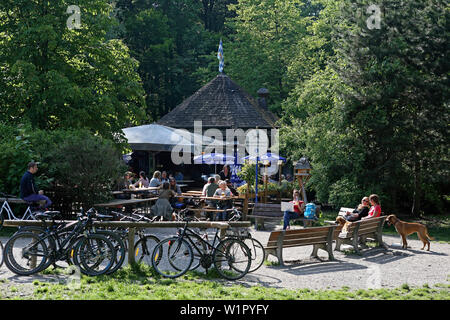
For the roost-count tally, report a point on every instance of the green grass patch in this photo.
(139, 282)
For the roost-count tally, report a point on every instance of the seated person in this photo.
(299, 208)
(222, 192)
(124, 182)
(175, 201)
(155, 182)
(142, 182)
(208, 191)
(225, 173)
(210, 187)
(28, 188)
(164, 177)
(162, 206)
(174, 186)
(230, 186)
(375, 209)
(166, 192)
(361, 211)
(178, 176)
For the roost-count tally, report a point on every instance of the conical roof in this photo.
(221, 103)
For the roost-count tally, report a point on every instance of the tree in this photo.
(57, 76)
(367, 120)
(264, 44)
(398, 76)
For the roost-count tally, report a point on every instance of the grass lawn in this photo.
(141, 283)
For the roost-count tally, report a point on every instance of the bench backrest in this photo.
(12, 200)
(367, 226)
(267, 209)
(301, 237)
(343, 211)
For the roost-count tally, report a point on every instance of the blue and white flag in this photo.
(220, 56)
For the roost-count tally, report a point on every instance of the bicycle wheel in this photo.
(198, 251)
(257, 252)
(143, 248)
(232, 259)
(1, 254)
(119, 247)
(1, 220)
(172, 257)
(25, 253)
(94, 254)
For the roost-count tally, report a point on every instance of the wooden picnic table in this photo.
(123, 202)
(185, 181)
(138, 190)
(205, 198)
(194, 191)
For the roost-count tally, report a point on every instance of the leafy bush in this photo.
(81, 166)
(16, 152)
(345, 193)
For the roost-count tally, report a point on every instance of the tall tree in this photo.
(264, 44)
(59, 73)
(395, 61)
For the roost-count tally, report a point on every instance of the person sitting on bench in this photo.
(360, 212)
(223, 192)
(28, 187)
(299, 208)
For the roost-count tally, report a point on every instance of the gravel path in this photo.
(375, 268)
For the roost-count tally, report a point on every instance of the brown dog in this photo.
(341, 221)
(407, 228)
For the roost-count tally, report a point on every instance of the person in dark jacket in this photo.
(28, 190)
(361, 211)
(225, 173)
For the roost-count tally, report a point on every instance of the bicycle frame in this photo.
(27, 216)
(188, 233)
(61, 249)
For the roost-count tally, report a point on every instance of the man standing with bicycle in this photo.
(28, 187)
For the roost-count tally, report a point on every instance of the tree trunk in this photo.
(417, 176)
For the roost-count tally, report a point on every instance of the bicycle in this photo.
(1, 244)
(257, 250)
(173, 257)
(29, 212)
(144, 246)
(28, 252)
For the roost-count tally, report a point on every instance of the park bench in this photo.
(359, 231)
(272, 211)
(318, 237)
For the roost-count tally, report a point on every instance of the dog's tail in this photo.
(428, 236)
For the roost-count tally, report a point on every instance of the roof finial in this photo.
(220, 56)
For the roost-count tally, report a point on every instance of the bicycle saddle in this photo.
(46, 215)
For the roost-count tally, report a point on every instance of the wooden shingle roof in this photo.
(221, 103)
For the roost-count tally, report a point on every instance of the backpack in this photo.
(310, 211)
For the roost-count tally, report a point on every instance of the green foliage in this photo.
(366, 118)
(82, 166)
(16, 152)
(55, 77)
(264, 45)
(248, 173)
(73, 162)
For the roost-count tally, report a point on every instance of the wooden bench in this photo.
(359, 231)
(269, 211)
(12, 200)
(318, 237)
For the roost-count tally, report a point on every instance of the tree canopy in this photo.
(361, 87)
